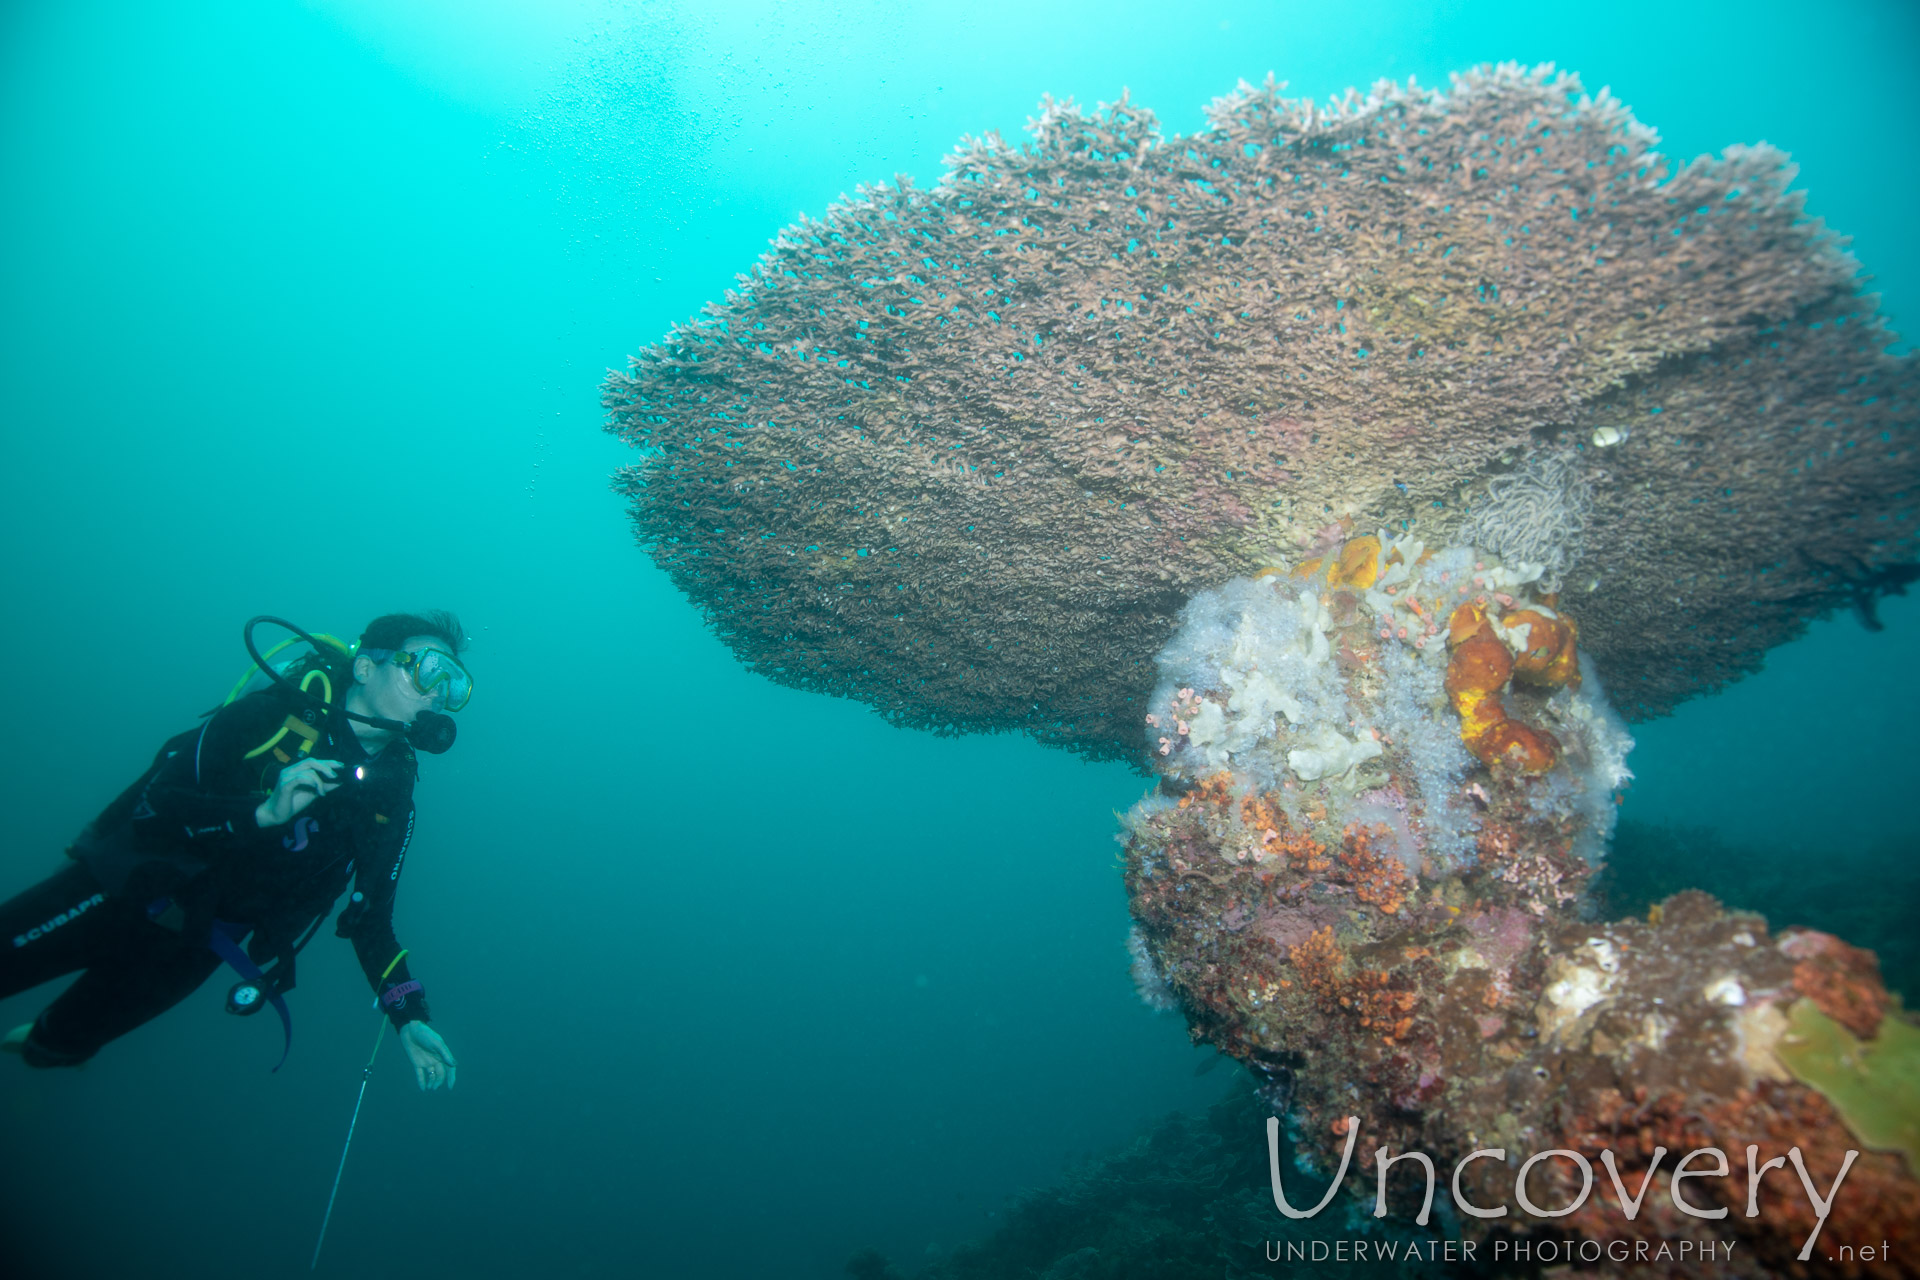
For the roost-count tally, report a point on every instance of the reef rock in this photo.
(1407, 941)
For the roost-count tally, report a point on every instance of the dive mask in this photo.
(430, 670)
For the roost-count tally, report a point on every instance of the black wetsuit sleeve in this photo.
(368, 921)
(203, 790)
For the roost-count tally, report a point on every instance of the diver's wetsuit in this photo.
(181, 849)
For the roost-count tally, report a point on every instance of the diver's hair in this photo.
(390, 630)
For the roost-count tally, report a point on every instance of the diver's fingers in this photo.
(420, 1060)
(438, 1045)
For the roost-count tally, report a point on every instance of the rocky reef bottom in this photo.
(1188, 1200)
(1865, 893)
(1192, 1196)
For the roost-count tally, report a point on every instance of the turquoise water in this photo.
(305, 310)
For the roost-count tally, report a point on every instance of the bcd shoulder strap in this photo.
(303, 723)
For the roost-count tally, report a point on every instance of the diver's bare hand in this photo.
(300, 784)
(433, 1063)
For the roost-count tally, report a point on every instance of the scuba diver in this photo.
(253, 824)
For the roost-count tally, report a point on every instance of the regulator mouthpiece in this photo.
(431, 732)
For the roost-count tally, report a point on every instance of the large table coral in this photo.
(963, 454)
(1339, 467)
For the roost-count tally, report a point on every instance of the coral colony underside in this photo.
(1361, 472)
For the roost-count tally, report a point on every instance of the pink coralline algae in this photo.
(964, 453)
